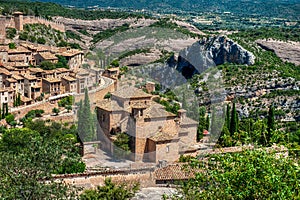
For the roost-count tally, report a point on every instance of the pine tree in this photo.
(233, 120)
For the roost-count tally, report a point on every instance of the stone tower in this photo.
(18, 18)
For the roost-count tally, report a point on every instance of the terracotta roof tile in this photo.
(163, 136)
(69, 78)
(48, 56)
(52, 80)
(174, 172)
(131, 92)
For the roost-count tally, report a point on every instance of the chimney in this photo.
(181, 114)
(150, 87)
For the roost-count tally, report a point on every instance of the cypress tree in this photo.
(227, 119)
(233, 120)
(3, 111)
(207, 122)
(6, 109)
(184, 103)
(86, 127)
(19, 99)
(271, 121)
(80, 121)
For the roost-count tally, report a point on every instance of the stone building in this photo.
(87, 78)
(32, 87)
(45, 56)
(155, 134)
(52, 86)
(73, 56)
(7, 96)
(69, 83)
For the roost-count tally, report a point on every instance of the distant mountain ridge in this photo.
(268, 8)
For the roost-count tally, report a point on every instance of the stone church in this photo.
(155, 134)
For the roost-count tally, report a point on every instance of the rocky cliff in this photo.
(210, 52)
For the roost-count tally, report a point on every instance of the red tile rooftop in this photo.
(4, 71)
(17, 77)
(48, 56)
(35, 69)
(29, 77)
(69, 78)
(11, 80)
(163, 136)
(62, 70)
(52, 80)
(18, 49)
(131, 92)
(175, 172)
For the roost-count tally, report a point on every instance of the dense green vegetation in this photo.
(111, 191)
(29, 157)
(72, 35)
(11, 33)
(271, 8)
(41, 34)
(284, 34)
(250, 174)
(51, 9)
(66, 102)
(166, 23)
(109, 32)
(133, 52)
(122, 146)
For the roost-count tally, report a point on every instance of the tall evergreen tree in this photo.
(3, 111)
(233, 120)
(184, 103)
(6, 109)
(86, 126)
(19, 99)
(270, 122)
(227, 119)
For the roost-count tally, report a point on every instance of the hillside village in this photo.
(158, 134)
(99, 103)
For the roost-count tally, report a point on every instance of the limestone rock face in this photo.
(210, 52)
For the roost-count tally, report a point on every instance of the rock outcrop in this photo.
(210, 52)
(287, 51)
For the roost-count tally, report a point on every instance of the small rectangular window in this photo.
(167, 149)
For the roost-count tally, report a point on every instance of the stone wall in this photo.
(67, 118)
(38, 20)
(21, 111)
(145, 179)
(9, 22)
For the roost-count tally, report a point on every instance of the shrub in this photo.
(41, 40)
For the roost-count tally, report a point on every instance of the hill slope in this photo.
(267, 8)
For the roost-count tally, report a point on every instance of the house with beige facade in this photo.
(155, 134)
(52, 86)
(7, 96)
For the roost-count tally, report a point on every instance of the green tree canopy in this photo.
(110, 191)
(255, 174)
(27, 162)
